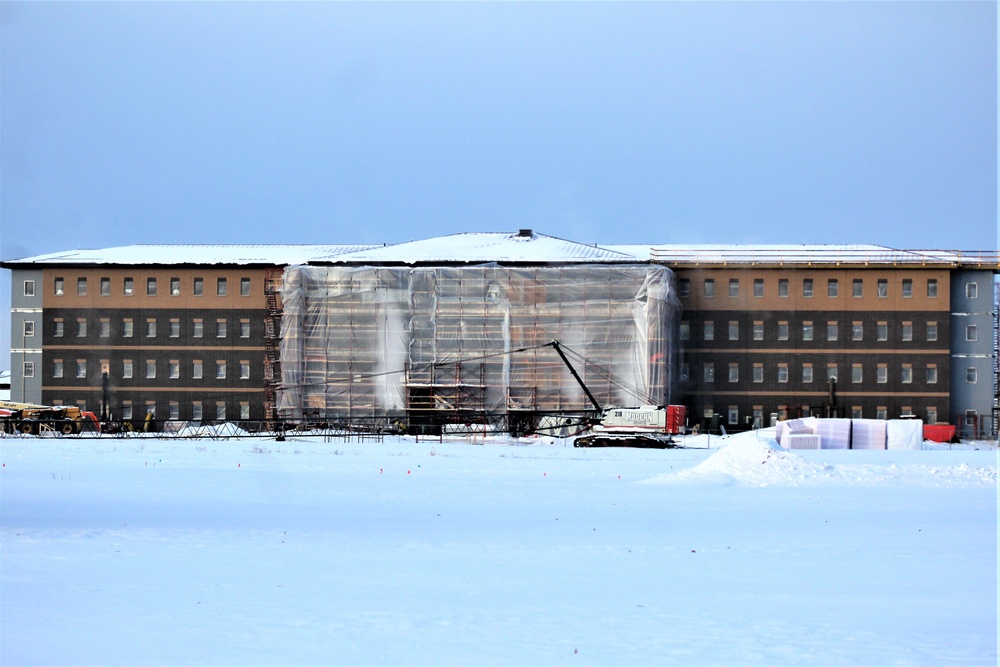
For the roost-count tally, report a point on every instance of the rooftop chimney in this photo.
(524, 233)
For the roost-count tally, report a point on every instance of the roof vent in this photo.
(524, 233)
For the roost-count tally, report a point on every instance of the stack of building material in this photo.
(905, 434)
(868, 434)
(799, 434)
(835, 433)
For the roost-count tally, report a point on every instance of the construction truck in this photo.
(643, 426)
(32, 419)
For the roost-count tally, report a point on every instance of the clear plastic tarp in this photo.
(384, 341)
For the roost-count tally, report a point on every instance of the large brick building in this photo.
(748, 333)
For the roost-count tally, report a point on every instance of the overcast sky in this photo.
(660, 122)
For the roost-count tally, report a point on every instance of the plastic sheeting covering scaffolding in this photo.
(384, 341)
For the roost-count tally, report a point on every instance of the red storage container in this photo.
(676, 415)
(939, 432)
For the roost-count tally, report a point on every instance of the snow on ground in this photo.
(147, 551)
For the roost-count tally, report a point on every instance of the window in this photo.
(57, 368)
(734, 415)
(28, 369)
(128, 327)
(734, 288)
(685, 371)
(832, 288)
(807, 288)
(198, 286)
(907, 288)
(174, 330)
(244, 370)
(126, 368)
(174, 369)
(734, 372)
(220, 370)
(709, 372)
(709, 331)
(105, 286)
(758, 372)
(783, 287)
(173, 410)
(758, 416)
(858, 288)
(150, 328)
(881, 412)
(758, 330)
(883, 288)
(151, 368)
(175, 287)
(244, 287)
(196, 411)
(81, 328)
(907, 331)
(150, 286)
(220, 329)
(220, 287)
(972, 291)
(59, 287)
(882, 331)
(932, 415)
(932, 331)
(832, 331)
(832, 372)
(709, 288)
(758, 287)
(684, 287)
(856, 373)
(126, 410)
(199, 328)
(129, 286)
(971, 332)
(782, 330)
(906, 411)
(81, 287)
(907, 376)
(932, 288)
(104, 328)
(685, 330)
(244, 410)
(783, 373)
(81, 368)
(882, 374)
(734, 330)
(220, 411)
(931, 373)
(29, 288)
(971, 375)
(58, 328)
(29, 328)
(196, 372)
(807, 331)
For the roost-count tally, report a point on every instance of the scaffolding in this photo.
(436, 345)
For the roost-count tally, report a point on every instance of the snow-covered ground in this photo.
(233, 552)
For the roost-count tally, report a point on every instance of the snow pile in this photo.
(755, 462)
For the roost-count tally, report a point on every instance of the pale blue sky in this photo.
(660, 122)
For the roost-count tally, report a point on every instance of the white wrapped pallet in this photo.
(905, 434)
(801, 441)
(868, 433)
(834, 433)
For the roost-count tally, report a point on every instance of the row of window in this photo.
(173, 330)
(173, 368)
(832, 372)
(128, 286)
(199, 410)
(832, 332)
(832, 288)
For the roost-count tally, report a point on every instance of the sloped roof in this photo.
(480, 247)
(264, 254)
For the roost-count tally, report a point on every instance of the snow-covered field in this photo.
(529, 552)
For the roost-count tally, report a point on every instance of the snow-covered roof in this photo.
(478, 247)
(523, 246)
(242, 254)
